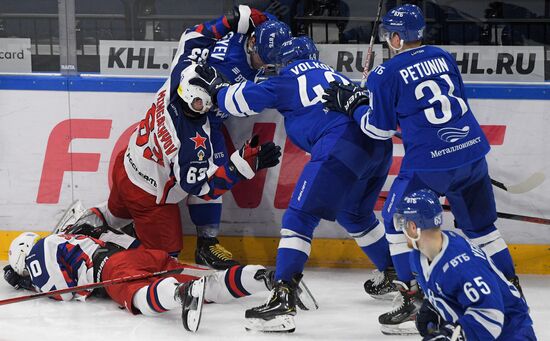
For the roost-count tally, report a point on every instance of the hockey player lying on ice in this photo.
(68, 260)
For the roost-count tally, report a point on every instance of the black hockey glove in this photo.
(445, 333)
(344, 98)
(244, 19)
(427, 319)
(15, 280)
(211, 80)
(252, 157)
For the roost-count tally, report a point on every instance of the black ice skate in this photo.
(209, 252)
(304, 297)
(381, 286)
(277, 314)
(191, 297)
(401, 320)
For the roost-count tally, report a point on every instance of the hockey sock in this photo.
(235, 282)
(495, 247)
(371, 240)
(290, 261)
(400, 256)
(157, 297)
(206, 218)
(295, 243)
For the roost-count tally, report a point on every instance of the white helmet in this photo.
(20, 248)
(190, 92)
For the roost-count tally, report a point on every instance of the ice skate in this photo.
(304, 297)
(211, 253)
(381, 286)
(277, 314)
(401, 320)
(191, 297)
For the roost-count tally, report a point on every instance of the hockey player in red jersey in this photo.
(67, 260)
(170, 155)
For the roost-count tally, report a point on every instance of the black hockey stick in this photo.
(103, 284)
(503, 215)
(368, 57)
(532, 182)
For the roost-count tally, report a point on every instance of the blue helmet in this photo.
(297, 48)
(270, 35)
(407, 21)
(422, 207)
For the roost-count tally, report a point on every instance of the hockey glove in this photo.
(427, 319)
(211, 80)
(344, 98)
(251, 157)
(445, 333)
(245, 19)
(15, 280)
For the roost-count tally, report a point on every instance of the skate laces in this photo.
(221, 252)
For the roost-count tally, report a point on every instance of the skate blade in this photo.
(385, 297)
(193, 315)
(71, 215)
(405, 328)
(305, 300)
(279, 324)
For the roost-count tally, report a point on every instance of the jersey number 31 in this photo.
(438, 96)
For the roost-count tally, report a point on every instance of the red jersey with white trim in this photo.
(63, 261)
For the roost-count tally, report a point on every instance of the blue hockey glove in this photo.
(15, 280)
(344, 98)
(445, 333)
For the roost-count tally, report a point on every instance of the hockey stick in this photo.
(456, 333)
(509, 216)
(368, 58)
(532, 182)
(104, 284)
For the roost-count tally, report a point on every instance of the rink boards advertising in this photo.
(61, 134)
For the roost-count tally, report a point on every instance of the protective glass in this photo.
(383, 34)
(399, 221)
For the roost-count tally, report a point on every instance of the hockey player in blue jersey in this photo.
(238, 57)
(341, 181)
(465, 294)
(420, 89)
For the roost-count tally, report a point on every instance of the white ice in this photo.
(345, 313)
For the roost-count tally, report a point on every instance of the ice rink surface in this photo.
(345, 313)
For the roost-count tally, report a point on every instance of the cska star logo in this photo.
(199, 141)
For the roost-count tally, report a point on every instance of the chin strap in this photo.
(413, 240)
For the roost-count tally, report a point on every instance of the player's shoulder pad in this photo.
(461, 255)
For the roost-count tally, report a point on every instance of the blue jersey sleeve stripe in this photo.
(228, 103)
(372, 131)
(491, 327)
(241, 100)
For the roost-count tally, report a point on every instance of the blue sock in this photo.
(289, 263)
(503, 261)
(206, 218)
(379, 254)
(403, 267)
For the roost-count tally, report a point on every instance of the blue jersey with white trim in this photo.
(229, 57)
(465, 287)
(421, 91)
(62, 261)
(296, 93)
